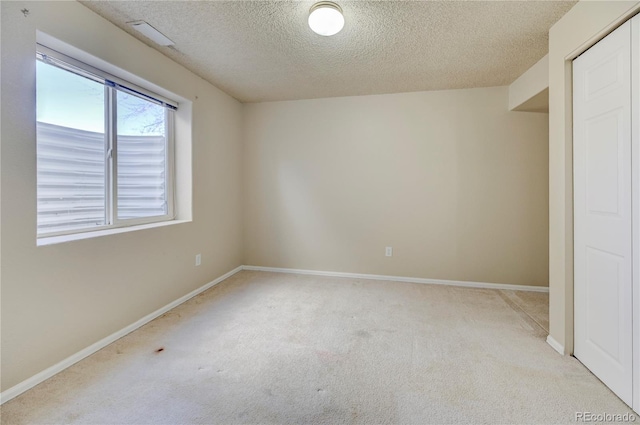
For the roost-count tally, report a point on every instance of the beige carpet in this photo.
(275, 348)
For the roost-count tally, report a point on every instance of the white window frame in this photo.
(110, 82)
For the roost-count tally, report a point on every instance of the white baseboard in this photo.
(403, 279)
(23, 386)
(69, 361)
(555, 344)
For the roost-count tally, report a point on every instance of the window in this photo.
(104, 149)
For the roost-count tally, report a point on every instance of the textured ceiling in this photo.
(264, 50)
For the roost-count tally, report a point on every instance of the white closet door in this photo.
(603, 211)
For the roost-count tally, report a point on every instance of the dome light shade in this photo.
(325, 18)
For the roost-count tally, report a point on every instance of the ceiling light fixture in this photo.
(325, 18)
(152, 33)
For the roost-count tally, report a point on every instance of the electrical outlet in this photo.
(388, 251)
(198, 259)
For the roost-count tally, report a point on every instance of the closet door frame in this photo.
(635, 201)
(634, 22)
(603, 211)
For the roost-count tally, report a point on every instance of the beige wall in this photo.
(526, 93)
(455, 183)
(452, 180)
(59, 299)
(581, 27)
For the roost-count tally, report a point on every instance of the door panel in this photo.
(603, 168)
(602, 211)
(603, 274)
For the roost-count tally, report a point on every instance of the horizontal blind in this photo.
(142, 94)
(141, 176)
(71, 178)
(73, 65)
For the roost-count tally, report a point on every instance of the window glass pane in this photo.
(70, 150)
(142, 158)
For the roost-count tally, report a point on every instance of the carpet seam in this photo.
(504, 297)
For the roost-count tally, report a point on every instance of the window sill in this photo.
(51, 240)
